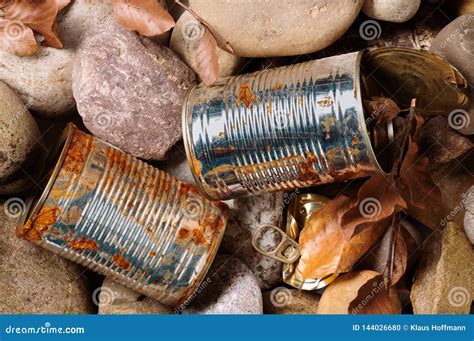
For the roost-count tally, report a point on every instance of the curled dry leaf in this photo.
(17, 38)
(378, 199)
(359, 292)
(22, 17)
(335, 237)
(207, 61)
(422, 191)
(40, 16)
(380, 109)
(147, 17)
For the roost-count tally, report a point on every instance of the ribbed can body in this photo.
(127, 220)
(280, 129)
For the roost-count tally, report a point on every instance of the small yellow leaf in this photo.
(147, 17)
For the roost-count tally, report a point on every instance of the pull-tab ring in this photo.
(287, 251)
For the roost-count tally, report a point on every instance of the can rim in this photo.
(188, 146)
(362, 119)
(36, 201)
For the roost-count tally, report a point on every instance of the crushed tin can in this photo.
(288, 251)
(303, 125)
(125, 219)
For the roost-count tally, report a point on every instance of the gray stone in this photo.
(33, 280)
(282, 300)
(19, 142)
(177, 164)
(469, 215)
(455, 43)
(116, 299)
(444, 282)
(247, 215)
(229, 288)
(185, 40)
(262, 28)
(391, 10)
(42, 81)
(129, 92)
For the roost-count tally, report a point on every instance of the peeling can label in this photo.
(125, 219)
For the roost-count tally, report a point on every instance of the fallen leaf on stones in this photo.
(17, 38)
(335, 237)
(147, 17)
(381, 109)
(441, 142)
(40, 16)
(378, 199)
(419, 186)
(444, 282)
(359, 292)
(207, 61)
(379, 257)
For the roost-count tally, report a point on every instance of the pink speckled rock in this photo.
(129, 91)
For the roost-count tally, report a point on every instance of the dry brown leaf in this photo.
(207, 62)
(322, 240)
(378, 199)
(39, 15)
(381, 109)
(147, 17)
(423, 192)
(378, 258)
(17, 38)
(358, 292)
(337, 236)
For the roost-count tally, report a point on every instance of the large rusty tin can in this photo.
(295, 126)
(125, 219)
(304, 125)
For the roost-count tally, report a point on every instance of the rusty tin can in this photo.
(279, 129)
(304, 125)
(125, 219)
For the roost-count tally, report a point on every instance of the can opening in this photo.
(53, 164)
(381, 135)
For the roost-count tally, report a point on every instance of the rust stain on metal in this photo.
(325, 102)
(82, 244)
(120, 260)
(199, 238)
(81, 145)
(183, 233)
(152, 253)
(246, 95)
(38, 225)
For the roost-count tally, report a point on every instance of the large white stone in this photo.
(263, 28)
